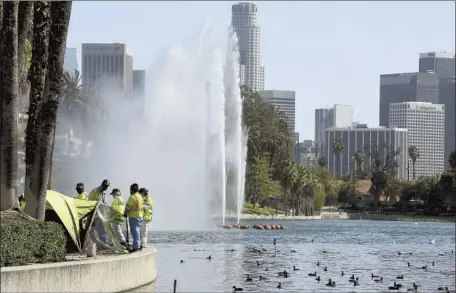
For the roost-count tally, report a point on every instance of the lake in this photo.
(355, 247)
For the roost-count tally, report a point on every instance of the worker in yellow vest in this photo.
(99, 193)
(148, 209)
(134, 212)
(80, 189)
(117, 219)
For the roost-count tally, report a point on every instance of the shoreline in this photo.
(346, 216)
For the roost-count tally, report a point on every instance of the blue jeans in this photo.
(135, 228)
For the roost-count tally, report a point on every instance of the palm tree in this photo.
(37, 74)
(413, 154)
(9, 105)
(338, 149)
(359, 160)
(47, 116)
(288, 176)
(322, 162)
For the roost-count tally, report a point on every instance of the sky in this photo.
(328, 52)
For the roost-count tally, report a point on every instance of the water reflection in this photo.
(355, 247)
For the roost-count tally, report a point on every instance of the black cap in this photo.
(144, 191)
(105, 182)
(115, 190)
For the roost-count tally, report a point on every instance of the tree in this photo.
(260, 184)
(359, 161)
(47, 115)
(9, 105)
(37, 74)
(25, 21)
(338, 149)
(384, 165)
(322, 162)
(287, 178)
(413, 154)
(452, 160)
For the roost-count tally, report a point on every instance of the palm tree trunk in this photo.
(60, 18)
(413, 167)
(49, 185)
(37, 75)
(25, 14)
(9, 101)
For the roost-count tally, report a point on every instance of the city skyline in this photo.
(365, 43)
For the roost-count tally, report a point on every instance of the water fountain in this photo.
(181, 149)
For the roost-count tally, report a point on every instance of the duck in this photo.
(293, 250)
(374, 276)
(263, 278)
(312, 274)
(248, 279)
(400, 277)
(442, 289)
(356, 283)
(264, 249)
(415, 287)
(324, 251)
(236, 289)
(258, 263)
(318, 263)
(279, 286)
(283, 274)
(424, 267)
(295, 268)
(325, 269)
(354, 280)
(331, 283)
(352, 277)
(408, 264)
(182, 261)
(266, 269)
(379, 280)
(342, 274)
(433, 264)
(209, 257)
(317, 279)
(397, 284)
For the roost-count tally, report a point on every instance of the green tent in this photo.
(84, 221)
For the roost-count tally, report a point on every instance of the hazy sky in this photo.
(328, 52)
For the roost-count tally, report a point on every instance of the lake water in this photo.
(355, 247)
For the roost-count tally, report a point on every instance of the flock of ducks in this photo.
(395, 286)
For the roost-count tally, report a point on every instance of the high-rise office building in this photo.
(425, 124)
(286, 103)
(245, 24)
(406, 87)
(448, 98)
(107, 64)
(139, 89)
(324, 118)
(343, 115)
(70, 62)
(372, 141)
(442, 63)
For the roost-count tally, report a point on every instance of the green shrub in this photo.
(28, 241)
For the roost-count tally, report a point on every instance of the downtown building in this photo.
(108, 64)
(441, 63)
(139, 89)
(406, 87)
(245, 24)
(448, 99)
(425, 123)
(338, 116)
(369, 140)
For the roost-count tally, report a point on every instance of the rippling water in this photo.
(355, 247)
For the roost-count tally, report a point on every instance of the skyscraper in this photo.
(286, 103)
(448, 98)
(71, 60)
(324, 119)
(139, 89)
(112, 63)
(442, 63)
(425, 125)
(245, 24)
(406, 87)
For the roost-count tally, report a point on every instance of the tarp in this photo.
(85, 221)
(69, 210)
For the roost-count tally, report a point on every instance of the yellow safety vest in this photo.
(22, 206)
(148, 208)
(95, 194)
(135, 206)
(119, 206)
(82, 196)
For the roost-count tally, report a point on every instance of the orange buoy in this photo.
(267, 227)
(258, 227)
(226, 226)
(244, 227)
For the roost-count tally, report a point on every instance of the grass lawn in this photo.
(248, 209)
